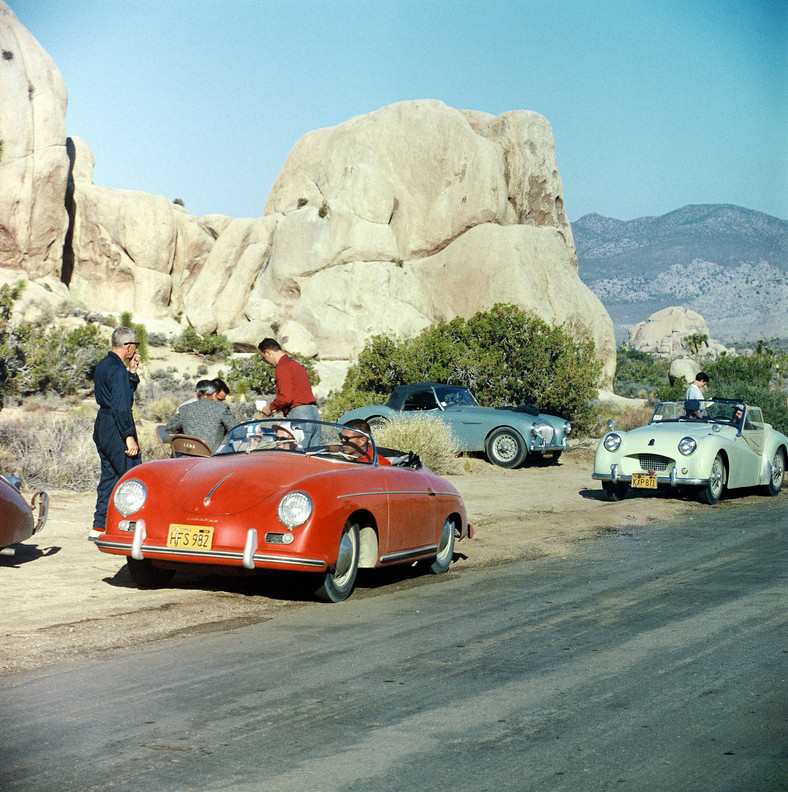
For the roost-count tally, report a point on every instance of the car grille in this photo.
(274, 538)
(653, 462)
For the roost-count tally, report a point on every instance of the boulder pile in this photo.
(387, 223)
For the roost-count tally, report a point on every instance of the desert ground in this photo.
(64, 599)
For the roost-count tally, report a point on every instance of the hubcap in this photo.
(715, 480)
(778, 469)
(445, 537)
(505, 447)
(344, 557)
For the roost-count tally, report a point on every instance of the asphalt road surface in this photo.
(651, 659)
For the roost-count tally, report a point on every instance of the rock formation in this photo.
(664, 335)
(413, 214)
(128, 250)
(387, 223)
(33, 161)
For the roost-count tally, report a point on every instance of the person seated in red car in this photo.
(356, 442)
(287, 438)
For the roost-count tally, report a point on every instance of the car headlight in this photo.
(612, 442)
(294, 509)
(130, 496)
(687, 445)
(567, 427)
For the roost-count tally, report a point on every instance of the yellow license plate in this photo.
(644, 480)
(190, 537)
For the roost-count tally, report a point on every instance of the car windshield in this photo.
(711, 410)
(297, 436)
(450, 396)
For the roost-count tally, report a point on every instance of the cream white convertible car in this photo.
(704, 446)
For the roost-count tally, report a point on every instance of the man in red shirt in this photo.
(294, 397)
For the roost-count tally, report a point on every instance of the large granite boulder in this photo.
(129, 250)
(666, 332)
(33, 160)
(413, 214)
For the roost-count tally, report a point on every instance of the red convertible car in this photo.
(305, 496)
(16, 516)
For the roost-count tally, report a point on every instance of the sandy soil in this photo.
(63, 598)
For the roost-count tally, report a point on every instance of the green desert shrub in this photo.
(43, 357)
(638, 373)
(211, 346)
(504, 355)
(342, 401)
(745, 369)
(249, 375)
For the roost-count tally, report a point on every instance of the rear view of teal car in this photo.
(507, 435)
(703, 447)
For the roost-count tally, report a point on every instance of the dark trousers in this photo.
(114, 463)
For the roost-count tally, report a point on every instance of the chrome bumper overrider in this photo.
(249, 558)
(672, 480)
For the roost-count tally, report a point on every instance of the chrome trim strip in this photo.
(207, 499)
(152, 550)
(398, 492)
(408, 553)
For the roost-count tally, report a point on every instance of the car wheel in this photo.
(505, 448)
(711, 492)
(377, 421)
(145, 575)
(778, 473)
(338, 582)
(445, 549)
(615, 492)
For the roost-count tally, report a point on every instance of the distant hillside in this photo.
(727, 263)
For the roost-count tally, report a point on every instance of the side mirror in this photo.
(611, 425)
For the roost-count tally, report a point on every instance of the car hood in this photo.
(233, 484)
(661, 432)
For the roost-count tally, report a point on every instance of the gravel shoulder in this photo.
(63, 598)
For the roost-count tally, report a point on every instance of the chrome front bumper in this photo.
(671, 480)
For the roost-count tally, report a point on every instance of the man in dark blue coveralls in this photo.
(114, 432)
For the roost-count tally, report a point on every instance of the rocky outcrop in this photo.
(33, 160)
(129, 250)
(384, 224)
(392, 221)
(666, 332)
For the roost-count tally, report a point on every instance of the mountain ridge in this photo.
(728, 263)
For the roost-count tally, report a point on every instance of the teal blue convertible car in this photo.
(507, 435)
(697, 447)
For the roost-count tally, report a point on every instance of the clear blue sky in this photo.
(654, 104)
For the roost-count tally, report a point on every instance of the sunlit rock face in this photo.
(666, 335)
(391, 221)
(33, 159)
(385, 224)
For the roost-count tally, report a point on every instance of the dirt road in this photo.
(63, 598)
